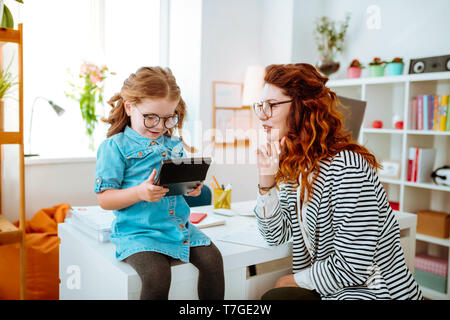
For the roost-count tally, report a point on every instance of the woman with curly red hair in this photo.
(320, 188)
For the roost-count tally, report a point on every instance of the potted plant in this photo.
(395, 67)
(88, 91)
(7, 20)
(376, 67)
(354, 69)
(7, 81)
(330, 41)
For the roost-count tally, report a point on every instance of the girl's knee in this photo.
(207, 258)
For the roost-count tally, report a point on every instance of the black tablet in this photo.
(182, 175)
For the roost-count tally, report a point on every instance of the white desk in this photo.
(88, 269)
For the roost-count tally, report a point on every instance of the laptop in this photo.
(353, 114)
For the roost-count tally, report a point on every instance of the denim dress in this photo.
(126, 160)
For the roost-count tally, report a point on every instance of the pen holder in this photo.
(221, 199)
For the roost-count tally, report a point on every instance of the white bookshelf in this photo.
(391, 96)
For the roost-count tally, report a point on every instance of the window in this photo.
(58, 36)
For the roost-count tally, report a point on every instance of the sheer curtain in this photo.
(58, 37)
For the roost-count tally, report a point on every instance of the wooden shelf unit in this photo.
(9, 233)
(392, 95)
(216, 109)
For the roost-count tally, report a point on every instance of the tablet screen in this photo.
(183, 170)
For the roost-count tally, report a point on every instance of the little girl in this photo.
(151, 231)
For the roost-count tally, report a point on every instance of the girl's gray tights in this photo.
(154, 269)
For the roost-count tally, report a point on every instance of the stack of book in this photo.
(93, 221)
(431, 112)
(420, 164)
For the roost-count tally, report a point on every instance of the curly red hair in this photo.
(315, 125)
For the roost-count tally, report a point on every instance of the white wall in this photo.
(49, 184)
(185, 29)
(305, 13)
(408, 29)
(276, 31)
(231, 40)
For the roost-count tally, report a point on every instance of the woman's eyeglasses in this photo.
(263, 109)
(151, 120)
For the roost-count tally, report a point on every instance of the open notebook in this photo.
(210, 220)
(247, 235)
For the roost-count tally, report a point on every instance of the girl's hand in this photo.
(147, 191)
(196, 192)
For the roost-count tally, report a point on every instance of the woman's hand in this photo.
(268, 157)
(147, 191)
(286, 281)
(196, 192)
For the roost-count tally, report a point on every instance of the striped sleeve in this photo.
(273, 216)
(355, 224)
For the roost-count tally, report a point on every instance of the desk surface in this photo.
(234, 255)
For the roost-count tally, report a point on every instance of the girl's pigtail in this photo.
(181, 111)
(118, 118)
(185, 145)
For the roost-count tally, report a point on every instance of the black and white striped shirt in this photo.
(354, 235)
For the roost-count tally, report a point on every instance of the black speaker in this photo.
(430, 64)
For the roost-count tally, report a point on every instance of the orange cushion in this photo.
(42, 254)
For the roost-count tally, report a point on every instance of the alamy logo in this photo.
(74, 279)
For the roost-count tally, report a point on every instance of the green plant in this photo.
(397, 60)
(377, 62)
(7, 81)
(356, 63)
(88, 92)
(7, 18)
(330, 37)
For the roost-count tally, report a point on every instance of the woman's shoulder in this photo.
(349, 160)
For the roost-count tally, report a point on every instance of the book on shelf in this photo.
(437, 100)
(413, 113)
(420, 164)
(445, 113)
(431, 112)
(425, 112)
(431, 99)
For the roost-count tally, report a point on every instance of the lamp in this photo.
(253, 85)
(59, 112)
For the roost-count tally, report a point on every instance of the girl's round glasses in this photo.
(151, 120)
